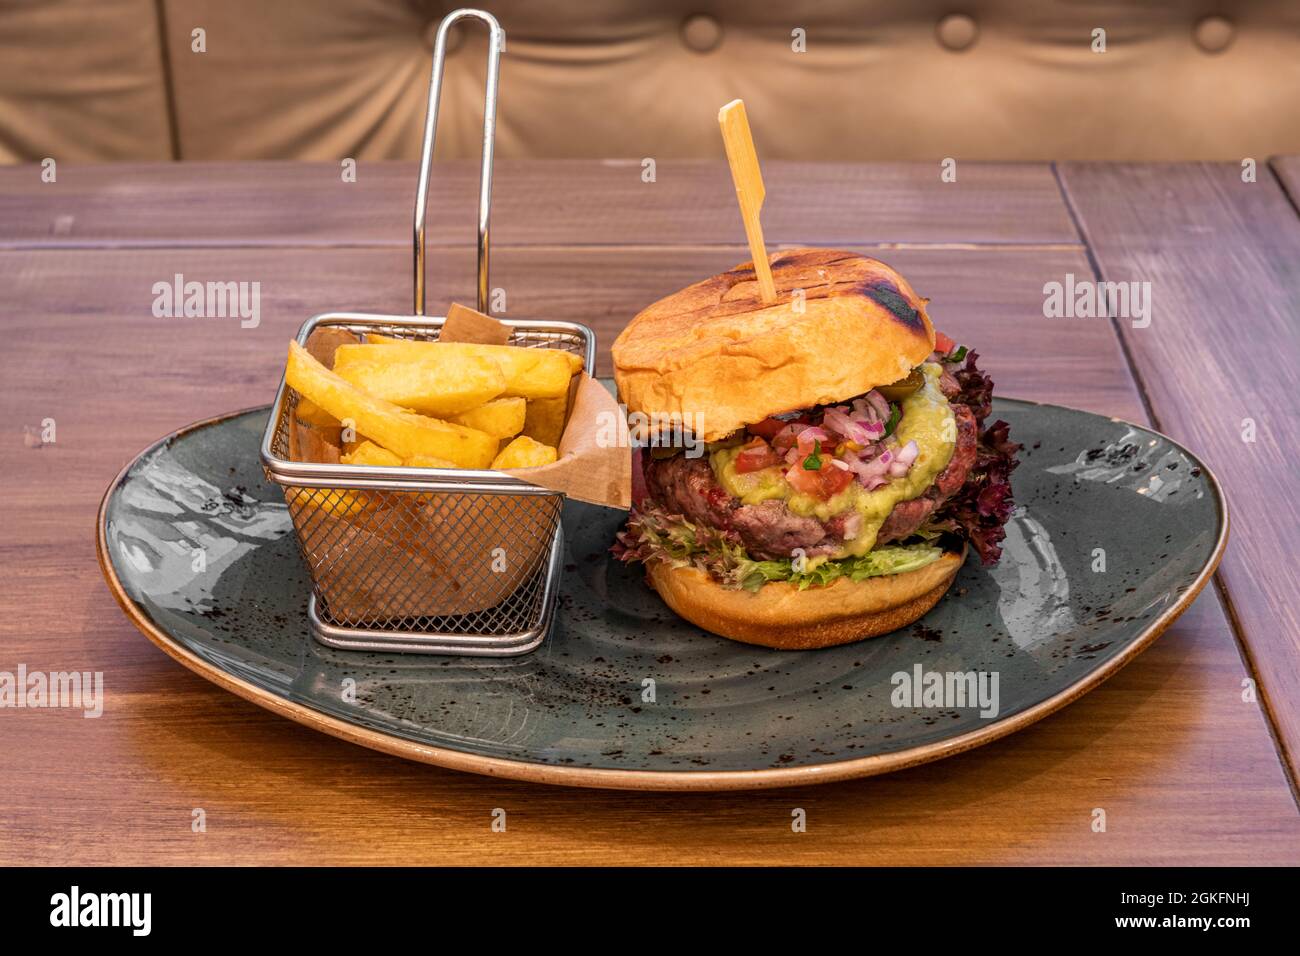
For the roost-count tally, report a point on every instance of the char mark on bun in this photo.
(884, 292)
(822, 274)
(848, 466)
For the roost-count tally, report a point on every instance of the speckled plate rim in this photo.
(659, 780)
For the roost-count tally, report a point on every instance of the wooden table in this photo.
(1186, 769)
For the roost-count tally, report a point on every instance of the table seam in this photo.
(1220, 586)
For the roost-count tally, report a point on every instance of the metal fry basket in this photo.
(427, 560)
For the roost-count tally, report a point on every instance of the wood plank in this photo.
(1287, 169)
(1184, 781)
(552, 202)
(110, 291)
(1221, 256)
(1185, 771)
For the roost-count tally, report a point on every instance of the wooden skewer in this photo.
(749, 189)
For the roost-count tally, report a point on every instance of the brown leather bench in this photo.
(95, 80)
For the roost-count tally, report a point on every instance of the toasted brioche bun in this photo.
(779, 615)
(715, 356)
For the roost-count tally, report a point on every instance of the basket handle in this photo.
(496, 43)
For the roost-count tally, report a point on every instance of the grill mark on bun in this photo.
(885, 293)
(715, 347)
(791, 271)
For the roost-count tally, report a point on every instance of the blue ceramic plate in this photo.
(1116, 531)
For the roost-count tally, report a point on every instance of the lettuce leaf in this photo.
(653, 534)
(980, 509)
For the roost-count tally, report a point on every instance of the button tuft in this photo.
(1213, 34)
(956, 31)
(701, 33)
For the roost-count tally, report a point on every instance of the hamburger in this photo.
(839, 466)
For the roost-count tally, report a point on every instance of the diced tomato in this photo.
(756, 456)
(767, 428)
(804, 481)
(834, 480)
(942, 344)
(824, 483)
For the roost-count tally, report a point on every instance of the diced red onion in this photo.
(809, 437)
(873, 464)
(836, 421)
(854, 463)
(877, 402)
(902, 462)
(871, 474)
(862, 411)
(787, 436)
(861, 432)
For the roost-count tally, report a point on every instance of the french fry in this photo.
(403, 432)
(312, 414)
(427, 461)
(368, 453)
(500, 418)
(523, 452)
(530, 373)
(545, 419)
(441, 385)
(376, 338)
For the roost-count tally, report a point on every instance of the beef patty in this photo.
(687, 486)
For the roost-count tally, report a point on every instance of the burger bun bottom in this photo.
(781, 616)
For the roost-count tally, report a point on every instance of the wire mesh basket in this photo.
(426, 559)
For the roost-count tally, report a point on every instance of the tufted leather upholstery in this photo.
(81, 81)
(880, 79)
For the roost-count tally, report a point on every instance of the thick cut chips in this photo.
(368, 453)
(523, 452)
(500, 418)
(529, 373)
(440, 384)
(404, 433)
